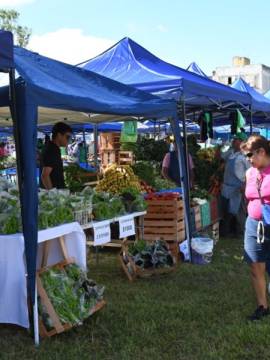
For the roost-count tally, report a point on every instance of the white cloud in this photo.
(69, 45)
(162, 28)
(12, 3)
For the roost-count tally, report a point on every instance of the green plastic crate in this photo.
(205, 214)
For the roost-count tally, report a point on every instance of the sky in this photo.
(209, 32)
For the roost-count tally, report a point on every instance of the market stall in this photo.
(51, 84)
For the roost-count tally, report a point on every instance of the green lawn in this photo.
(198, 312)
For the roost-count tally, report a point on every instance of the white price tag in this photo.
(126, 226)
(102, 233)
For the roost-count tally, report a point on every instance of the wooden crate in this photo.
(133, 271)
(109, 141)
(198, 220)
(215, 231)
(58, 327)
(164, 220)
(108, 157)
(125, 158)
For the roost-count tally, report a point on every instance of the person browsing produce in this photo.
(257, 232)
(51, 170)
(170, 168)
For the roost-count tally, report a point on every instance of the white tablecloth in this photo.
(13, 293)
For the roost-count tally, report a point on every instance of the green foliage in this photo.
(206, 164)
(76, 177)
(150, 149)
(9, 21)
(145, 171)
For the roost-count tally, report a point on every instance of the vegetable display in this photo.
(146, 255)
(117, 178)
(72, 294)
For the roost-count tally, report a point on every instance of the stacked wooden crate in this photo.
(125, 158)
(165, 221)
(109, 148)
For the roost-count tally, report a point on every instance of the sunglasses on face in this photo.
(250, 154)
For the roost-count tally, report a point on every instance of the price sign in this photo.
(102, 233)
(126, 226)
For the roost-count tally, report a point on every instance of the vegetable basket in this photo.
(133, 271)
(56, 325)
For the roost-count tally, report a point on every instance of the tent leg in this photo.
(36, 326)
(185, 142)
(251, 122)
(84, 141)
(96, 146)
(183, 177)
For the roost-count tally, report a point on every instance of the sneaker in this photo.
(259, 313)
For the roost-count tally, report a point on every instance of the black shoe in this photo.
(259, 313)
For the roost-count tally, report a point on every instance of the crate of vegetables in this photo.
(142, 259)
(66, 297)
(165, 217)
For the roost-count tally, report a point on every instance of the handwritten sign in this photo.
(102, 233)
(126, 226)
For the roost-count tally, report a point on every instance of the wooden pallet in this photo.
(109, 141)
(164, 220)
(125, 158)
(133, 271)
(108, 157)
(58, 327)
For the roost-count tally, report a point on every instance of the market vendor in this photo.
(232, 192)
(170, 168)
(51, 169)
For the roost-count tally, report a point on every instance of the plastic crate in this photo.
(205, 214)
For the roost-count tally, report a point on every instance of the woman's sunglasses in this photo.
(250, 154)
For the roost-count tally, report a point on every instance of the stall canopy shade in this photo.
(193, 67)
(6, 50)
(258, 101)
(130, 63)
(52, 84)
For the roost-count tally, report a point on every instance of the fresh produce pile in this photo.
(108, 206)
(207, 164)
(10, 213)
(72, 294)
(76, 177)
(146, 255)
(117, 178)
(7, 162)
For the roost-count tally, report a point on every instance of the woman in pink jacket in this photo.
(257, 249)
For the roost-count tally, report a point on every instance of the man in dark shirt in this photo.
(51, 170)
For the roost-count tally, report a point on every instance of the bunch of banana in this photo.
(117, 178)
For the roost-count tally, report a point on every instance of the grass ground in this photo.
(198, 312)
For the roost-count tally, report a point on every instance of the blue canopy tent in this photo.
(48, 83)
(259, 103)
(131, 64)
(193, 67)
(6, 51)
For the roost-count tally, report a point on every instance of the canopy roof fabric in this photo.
(131, 64)
(193, 67)
(259, 101)
(57, 85)
(6, 50)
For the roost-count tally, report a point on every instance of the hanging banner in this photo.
(102, 233)
(126, 226)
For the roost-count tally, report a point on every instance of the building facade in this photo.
(257, 76)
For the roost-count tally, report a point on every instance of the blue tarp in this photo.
(6, 50)
(50, 83)
(259, 101)
(130, 63)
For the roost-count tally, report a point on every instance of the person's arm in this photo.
(45, 178)
(165, 166)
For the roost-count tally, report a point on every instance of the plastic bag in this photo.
(129, 132)
(202, 246)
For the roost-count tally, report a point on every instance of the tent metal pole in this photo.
(85, 148)
(251, 121)
(185, 141)
(183, 177)
(95, 145)
(35, 315)
(15, 126)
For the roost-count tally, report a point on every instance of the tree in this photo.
(9, 21)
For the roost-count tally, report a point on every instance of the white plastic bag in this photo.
(202, 246)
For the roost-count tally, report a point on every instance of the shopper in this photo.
(52, 171)
(232, 192)
(257, 248)
(170, 168)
